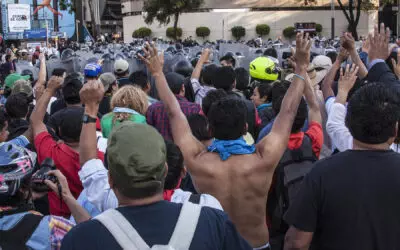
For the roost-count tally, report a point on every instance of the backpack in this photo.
(19, 235)
(128, 238)
(288, 177)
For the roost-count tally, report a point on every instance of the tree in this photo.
(164, 10)
(352, 11)
(238, 32)
(319, 28)
(173, 33)
(289, 32)
(263, 29)
(142, 32)
(55, 24)
(203, 32)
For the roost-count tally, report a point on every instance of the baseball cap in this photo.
(322, 65)
(120, 66)
(107, 79)
(12, 78)
(92, 70)
(22, 86)
(136, 156)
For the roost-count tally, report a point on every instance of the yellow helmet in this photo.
(263, 68)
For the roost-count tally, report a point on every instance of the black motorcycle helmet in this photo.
(183, 68)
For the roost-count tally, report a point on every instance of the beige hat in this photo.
(22, 86)
(107, 79)
(121, 66)
(322, 65)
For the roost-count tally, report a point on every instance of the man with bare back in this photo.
(46, 3)
(238, 175)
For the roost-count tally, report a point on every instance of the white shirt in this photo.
(336, 127)
(94, 178)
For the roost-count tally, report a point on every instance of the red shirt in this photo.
(316, 135)
(67, 161)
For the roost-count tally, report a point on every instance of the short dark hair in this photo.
(229, 59)
(301, 116)
(242, 79)
(199, 126)
(58, 72)
(224, 78)
(175, 82)
(71, 89)
(271, 52)
(17, 106)
(175, 165)
(71, 125)
(208, 73)
(373, 112)
(332, 55)
(211, 97)
(139, 78)
(8, 57)
(227, 118)
(265, 90)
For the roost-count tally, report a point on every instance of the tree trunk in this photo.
(35, 4)
(55, 6)
(176, 26)
(94, 24)
(353, 22)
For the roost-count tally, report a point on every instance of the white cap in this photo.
(120, 66)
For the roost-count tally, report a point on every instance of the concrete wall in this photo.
(221, 23)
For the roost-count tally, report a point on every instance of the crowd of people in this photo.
(221, 158)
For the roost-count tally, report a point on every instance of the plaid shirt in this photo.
(157, 115)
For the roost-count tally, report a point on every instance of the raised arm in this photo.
(314, 112)
(41, 106)
(43, 70)
(91, 95)
(199, 66)
(181, 131)
(348, 43)
(327, 90)
(346, 83)
(272, 146)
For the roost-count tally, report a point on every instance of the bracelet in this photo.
(299, 76)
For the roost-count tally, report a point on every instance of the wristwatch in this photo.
(88, 119)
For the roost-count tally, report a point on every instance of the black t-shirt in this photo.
(351, 201)
(105, 106)
(57, 105)
(155, 224)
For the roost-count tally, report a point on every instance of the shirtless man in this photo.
(46, 3)
(241, 182)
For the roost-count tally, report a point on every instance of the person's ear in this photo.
(166, 170)
(264, 99)
(183, 172)
(246, 128)
(183, 89)
(148, 87)
(110, 180)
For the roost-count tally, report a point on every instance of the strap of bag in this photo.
(195, 198)
(19, 235)
(123, 232)
(186, 226)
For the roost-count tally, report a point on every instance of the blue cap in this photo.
(92, 70)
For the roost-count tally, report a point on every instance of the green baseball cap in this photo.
(136, 156)
(22, 86)
(12, 78)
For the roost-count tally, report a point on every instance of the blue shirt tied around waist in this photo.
(232, 147)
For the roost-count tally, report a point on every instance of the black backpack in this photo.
(288, 176)
(17, 237)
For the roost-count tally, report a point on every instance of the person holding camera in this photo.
(21, 226)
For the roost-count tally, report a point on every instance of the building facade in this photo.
(221, 15)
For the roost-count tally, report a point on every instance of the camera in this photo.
(38, 178)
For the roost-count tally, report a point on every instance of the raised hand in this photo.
(205, 56)
(365, 46)
(92, 93)
(55, 83)
(348, 42)
(292, 60)
(303, 47)
(152, 59)
(379, 43)
(346, 82)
